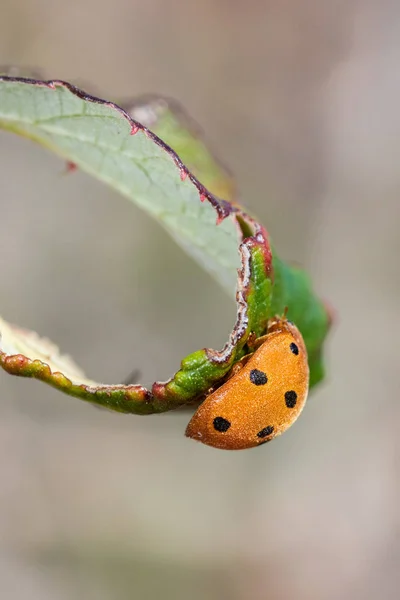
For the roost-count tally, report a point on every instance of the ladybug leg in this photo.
(252, 339)
(255, 342)
(238, 366)
(132, 378)
(274, 324)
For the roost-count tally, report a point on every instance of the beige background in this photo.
(301, 99)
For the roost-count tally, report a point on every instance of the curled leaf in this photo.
(102, 139)
(25, 354)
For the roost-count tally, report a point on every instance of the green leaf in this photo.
(291, 287)
(167, 119)
(25, 354)
(104, 140)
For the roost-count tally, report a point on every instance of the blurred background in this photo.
(300, 99)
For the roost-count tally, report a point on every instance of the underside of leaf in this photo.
(104, 140)
(166, 118)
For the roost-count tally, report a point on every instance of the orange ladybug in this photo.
(264, 396)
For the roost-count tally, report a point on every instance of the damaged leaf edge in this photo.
(162, 397)
(136, 398)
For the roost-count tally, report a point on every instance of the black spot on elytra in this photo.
(258, 377)
(294, 348)
(290, 399)
(221, 424)
(265, 432)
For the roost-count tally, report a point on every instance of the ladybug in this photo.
(262, 398)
